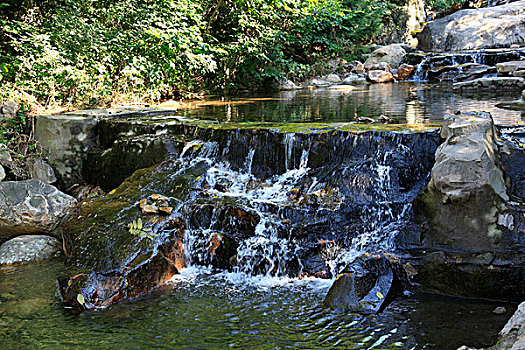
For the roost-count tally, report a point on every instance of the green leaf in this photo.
(379, 295)
(80, 299)
(139, 224)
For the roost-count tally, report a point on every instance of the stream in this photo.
(264, 302)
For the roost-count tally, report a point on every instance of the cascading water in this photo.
(300, 210)
(436, 61)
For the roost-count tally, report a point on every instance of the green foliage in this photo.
(444, 5)
(136, 228)
(88, 53)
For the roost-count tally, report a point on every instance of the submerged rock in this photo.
(31, 206)
(493, 27)
(367, 285)
(28, 248)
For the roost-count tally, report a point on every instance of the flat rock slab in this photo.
(509, 67)
(491, 84)
(31, 206)
(28, 248)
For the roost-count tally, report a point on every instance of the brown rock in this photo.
(150, 209)
(166, 210)
(404, 71)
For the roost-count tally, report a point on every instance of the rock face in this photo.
(493, 27)
(31, 206)
(512, 336)
(393, 55)
(28, 248)
(69, 136)
(366, 285)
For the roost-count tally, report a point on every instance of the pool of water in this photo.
(405, 103)
(201, 310)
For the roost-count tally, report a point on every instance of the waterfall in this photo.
(302, 204)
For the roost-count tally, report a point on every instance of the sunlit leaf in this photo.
(80, 299)
(379, 295)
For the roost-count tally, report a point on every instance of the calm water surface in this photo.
(411, 103)
(200, 310)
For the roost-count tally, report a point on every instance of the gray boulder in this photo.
(8, 109)
(2, 173)
(467, 189)
(331, 78)
(493, 27)
(31, 206)
(287, 85)
(28, 248)
(510, 67)
(392, 55)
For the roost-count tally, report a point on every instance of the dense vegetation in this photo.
(88, 53)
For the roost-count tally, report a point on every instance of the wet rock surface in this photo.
(28, 248)
(31, 206)
(367, 285)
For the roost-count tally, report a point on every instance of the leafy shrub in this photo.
(88, 53)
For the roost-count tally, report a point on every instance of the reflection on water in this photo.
(199, 310)
(412, 103)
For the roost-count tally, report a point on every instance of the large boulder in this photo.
(367, 285)
(500, 26)
(393, 55)
(31, 206)
(467, 188)
(28, 248)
